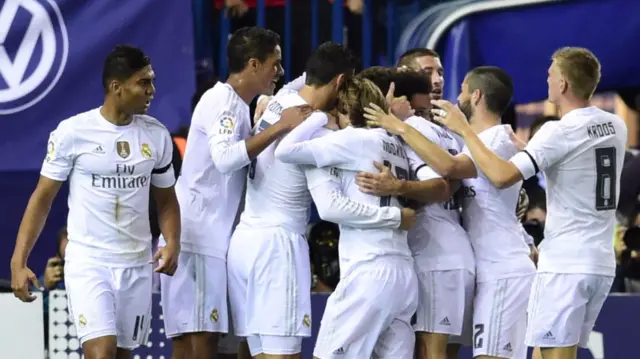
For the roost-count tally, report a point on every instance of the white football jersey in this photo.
(277, 192)
(438, 241)
(211, 186)
(581, 157)
(489, 216)
(353, 150)
(110, 169)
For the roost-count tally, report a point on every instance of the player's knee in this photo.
(280, 346)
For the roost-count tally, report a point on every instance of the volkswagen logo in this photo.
(34, 47)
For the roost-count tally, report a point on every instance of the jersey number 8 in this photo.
(606, 178)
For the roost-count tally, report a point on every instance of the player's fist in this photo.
(407, 218)
(167, 257)
(21, 277)
(293, 116)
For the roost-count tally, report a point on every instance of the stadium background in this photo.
(51, 54)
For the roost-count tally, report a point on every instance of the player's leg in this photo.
(559, 304)
(500, 317)
(133, 307)
(279, 292)
(440, 311)
(91, 302)
(465, 338)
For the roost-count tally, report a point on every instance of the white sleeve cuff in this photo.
(165, 179)
(425, 173)
(525, 164)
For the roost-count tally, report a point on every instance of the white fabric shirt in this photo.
(278, 192)
(581, 157)
(211, 186)
(352, 150)
(489, 216)
(110, 169)
(438, 241)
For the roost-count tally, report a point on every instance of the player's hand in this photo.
(21, 277)
(260, 107)
(407, 218)
(236, 8)
(53, 273)
(167, 258)
(355, 6)
(379, 184)
(523, 204)
(398, 106)
(293, 116)
(520, 144)
(449, 115)
(533, 254)
(376, 117)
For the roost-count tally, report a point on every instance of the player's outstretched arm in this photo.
(31, 226)
(501, 173)
(457, 167)
(426, 190)
(334, 206)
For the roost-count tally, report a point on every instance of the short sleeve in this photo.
(497, 141)
(547, 147)
(60, 154)
(416, 163)
(163, 175)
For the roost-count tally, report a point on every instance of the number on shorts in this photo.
(606, 178)
(400, 173)
(477, 336)
(138, 326)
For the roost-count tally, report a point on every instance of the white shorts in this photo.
(270, 289)
(500, 316)
(194, 299)
(564, 307)
(106, 301)
(445, 302)
(369, 314)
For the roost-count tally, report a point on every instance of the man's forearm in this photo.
(31, 226)
(256, 144)
(169, 220)
(426, 192)
(440, 160)
(501, 173)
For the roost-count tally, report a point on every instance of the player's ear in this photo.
(564, 85)
(115, 87)
(476, 96)
(254, 65)
(339, 80)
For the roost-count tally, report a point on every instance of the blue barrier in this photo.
(614, 336)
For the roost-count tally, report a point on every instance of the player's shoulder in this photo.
(151, 125)
(221, 98)
(79, 122)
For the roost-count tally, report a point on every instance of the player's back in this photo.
(209, 199)
(438, 238)
(361, 245)
(582, 191)
(489, 216)
(277, 194)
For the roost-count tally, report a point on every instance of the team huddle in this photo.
(432, 254)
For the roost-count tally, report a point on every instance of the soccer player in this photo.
(581, 157)
(440, 246)
(428, 62)
(210, 190)
(110, 155)
(268, 259)
(365, 314)
(504, 271)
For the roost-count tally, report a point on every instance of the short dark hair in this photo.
(121, 63)
(409, 56)
(407, 83)
(250, 43)
(328, 61)
(495, 84)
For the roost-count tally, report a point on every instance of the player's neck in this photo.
(242, 87)
(483, 120)
(313, 96)
(569, 105)
(110, 113)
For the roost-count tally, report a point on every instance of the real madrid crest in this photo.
(82, 320)
(214, 316)
(306, 320)
(146, 151)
